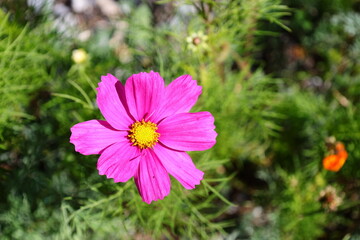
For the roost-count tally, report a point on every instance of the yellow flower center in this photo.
(143, 134)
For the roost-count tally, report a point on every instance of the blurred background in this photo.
(282, 79)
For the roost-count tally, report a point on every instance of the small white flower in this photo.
(330, 199)
(197, 41)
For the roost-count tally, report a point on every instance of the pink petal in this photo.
(179, 165)
(144, 93)
(151, 179)
(180, 96)
(112, 104)
(119, 161)
(91, 137)
(188, 131)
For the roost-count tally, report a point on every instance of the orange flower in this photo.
(334, 162)
(339, 147)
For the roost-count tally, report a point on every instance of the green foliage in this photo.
(22, 71)
(307, 13)
(301, 216)
(303, 127)
(184, 213)
(263, 178)
(22, 222)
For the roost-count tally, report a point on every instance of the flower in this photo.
(334, 162)
(197, 41)
(147, 131)
(329, 198)
(79, 56)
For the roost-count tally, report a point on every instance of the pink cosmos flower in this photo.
(147, 131)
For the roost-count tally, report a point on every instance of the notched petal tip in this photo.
(93, 136)
(144, 93)
(180, 96)
(192, 83)
(180, 166)
(111, 102)
(106, 80)
(152, 179)
(102, 173)
(197, 178)
(141, 75)
(149, 201)
(109, 77)
(188, 131)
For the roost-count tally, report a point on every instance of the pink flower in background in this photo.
(147, 130)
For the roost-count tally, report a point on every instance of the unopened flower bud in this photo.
(79, 56)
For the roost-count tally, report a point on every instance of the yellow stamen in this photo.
(143, 134)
